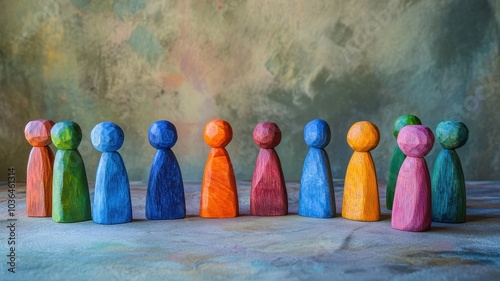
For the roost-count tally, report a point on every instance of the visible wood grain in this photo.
(268, 195)
(219, 196)
(448, 188)
(448, 180)
(397, 157)
(112, 203)
(39, 182)
(412, 201)
(39, 169)
(316, 196)
(165, 197)
(70, 189)
(361, 200)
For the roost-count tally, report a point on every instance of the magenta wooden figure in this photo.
(268, 196)
(412, 201)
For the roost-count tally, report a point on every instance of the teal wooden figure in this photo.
(398, 157)
(112, 202)
(316, 196)
(70, 190)
(448, 181)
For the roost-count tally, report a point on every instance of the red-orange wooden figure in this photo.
(219, 196)
(268, 196)
(39, 170)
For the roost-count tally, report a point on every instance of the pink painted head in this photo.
(37, 132)
(415, 140)
(267, 135)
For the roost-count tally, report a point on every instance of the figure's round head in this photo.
(66, 135)
(267, 135)
(404, 120)
(107, 137)
(452, 134)
(363, 136)
(162, 134)
(415, 140)
(218, 133)
(37, 132)
(317, 134)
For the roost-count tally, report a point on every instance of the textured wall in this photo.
(134, 62)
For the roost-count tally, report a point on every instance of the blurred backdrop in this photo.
(248, 61)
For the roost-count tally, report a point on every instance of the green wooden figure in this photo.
(70, 190)
(398, 157)
(448, 181)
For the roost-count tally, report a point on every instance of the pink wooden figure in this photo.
(412, 201)
(268, 195)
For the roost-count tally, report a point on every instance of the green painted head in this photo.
(404, 120)
(452, 134)
(66, 135)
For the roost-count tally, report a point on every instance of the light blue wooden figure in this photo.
(165, 196)
(112, 204)
(317, 197)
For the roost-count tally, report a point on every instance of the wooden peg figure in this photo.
(165, 195)
(361, 201)
(219, 196)
(268, 195)
(412, 201)
(70, 200)
(316, 196)
(112, 204)
(397, 157)
(40, 168)
(448, 181)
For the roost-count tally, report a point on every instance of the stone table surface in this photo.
(255, 248)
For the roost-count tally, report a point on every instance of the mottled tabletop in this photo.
(254, 248)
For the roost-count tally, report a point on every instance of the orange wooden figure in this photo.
(219, 196)
(361, 200)
(39, 170)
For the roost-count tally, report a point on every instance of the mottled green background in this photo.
(134, 62)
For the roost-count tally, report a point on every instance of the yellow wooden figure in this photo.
(361, 200)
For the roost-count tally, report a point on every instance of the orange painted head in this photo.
(363, 136)
(218, 133)
(37, 132)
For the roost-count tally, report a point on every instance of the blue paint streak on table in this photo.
(258, 248)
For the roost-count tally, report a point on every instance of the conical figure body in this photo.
(397, 157)
(268, 195)
(165, 198)
(40, 169)
(361, 200)
(412, 201)
(70, 190)
(112, 203)
(448, 181)
(219, 196)
(316, 197)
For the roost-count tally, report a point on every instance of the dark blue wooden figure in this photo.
(112, 202)
(165, 195)
(316, 197)
(448, 181)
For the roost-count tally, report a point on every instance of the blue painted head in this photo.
(107, 137)
(452, 134)
(317, 133)
(162, 134)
